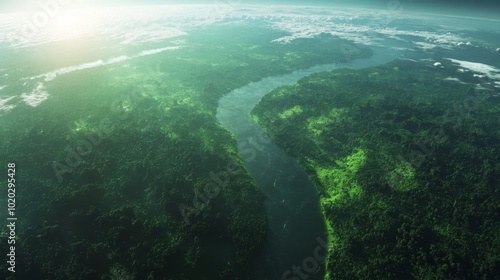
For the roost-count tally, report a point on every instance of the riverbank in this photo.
(111, 152)
(404, 182)
(296, 221)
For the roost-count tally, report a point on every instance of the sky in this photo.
(448, 6)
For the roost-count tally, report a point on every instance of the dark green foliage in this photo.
(134, 141)
(425, 201)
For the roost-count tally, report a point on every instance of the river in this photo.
(296, 225)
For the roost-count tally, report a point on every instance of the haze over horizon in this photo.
(460, 7)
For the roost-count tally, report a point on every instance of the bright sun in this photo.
(72, 22)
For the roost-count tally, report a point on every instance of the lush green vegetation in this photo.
(407, 164)
(112, 164)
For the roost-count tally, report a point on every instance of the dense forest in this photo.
(407, 164)
(124, 171)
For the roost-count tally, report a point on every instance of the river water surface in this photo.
(296, 225)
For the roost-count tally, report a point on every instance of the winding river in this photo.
(296, 225)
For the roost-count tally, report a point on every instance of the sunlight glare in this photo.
(71, 23)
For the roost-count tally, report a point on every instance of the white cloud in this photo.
(155, 51)
(36, 97)
(126, 26)
(117, 59)
(367, 29)
(49, 76)
(147, 24)
(149, 35)
(39, 94)
(488, 70)
(461, 44)
(454, 79)
(4, 107)
(426, 46)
